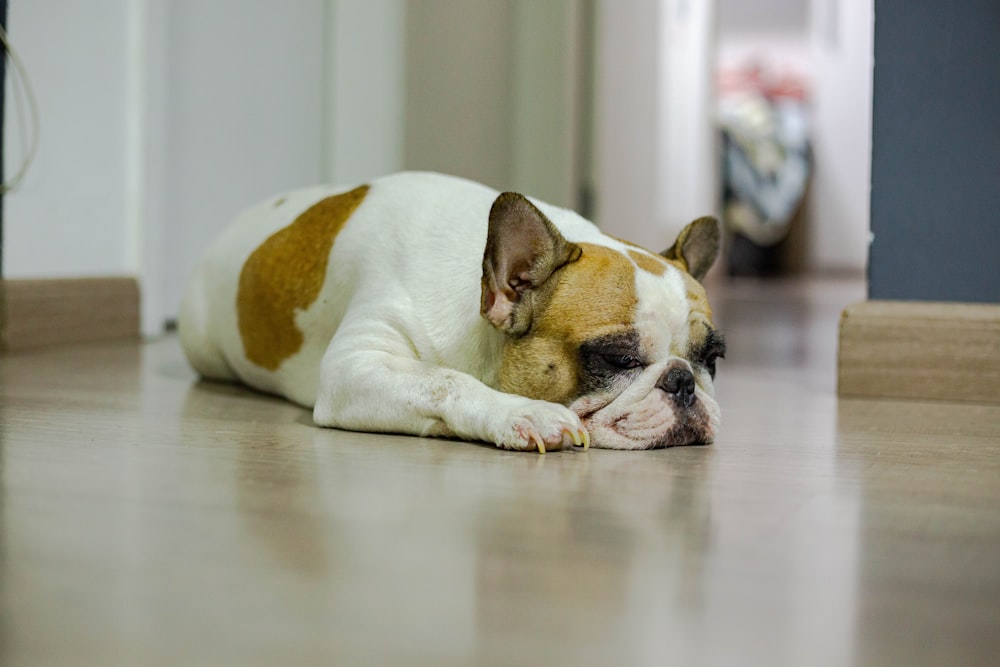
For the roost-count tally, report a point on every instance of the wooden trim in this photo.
(36, 313)
(920, 350)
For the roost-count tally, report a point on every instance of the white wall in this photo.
(69, 217)
(656, 147)
(492, 93)
(628, 123)
(459, 83)
(777, 29)
(364, 78)
(259, 101)
(243, 118)
(689, 181)
(843, 55)
(161, 120)
(546, 106)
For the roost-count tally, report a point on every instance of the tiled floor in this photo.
(147, 519)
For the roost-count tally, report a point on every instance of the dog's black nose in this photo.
(678, 382)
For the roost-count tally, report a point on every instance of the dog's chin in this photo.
(653, 422)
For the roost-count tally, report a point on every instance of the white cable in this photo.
(22, 78)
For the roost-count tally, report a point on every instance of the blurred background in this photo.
(158, 121)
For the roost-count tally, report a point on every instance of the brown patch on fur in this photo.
(696, 296)
(655, 265)
(700, 314)
(284, 275)
(594, 295)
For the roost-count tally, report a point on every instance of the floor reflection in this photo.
(929, 524)
(275, 478)
(598, 559)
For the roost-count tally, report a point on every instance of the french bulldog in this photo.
(431, 305)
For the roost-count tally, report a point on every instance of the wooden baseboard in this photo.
(36, 313)
(920, 350)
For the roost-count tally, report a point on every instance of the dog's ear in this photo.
(697, 246)
(523, 250)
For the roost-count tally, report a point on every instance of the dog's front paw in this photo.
(540, 425)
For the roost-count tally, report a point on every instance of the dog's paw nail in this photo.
(537, 439)
(585, 439)
(573, 435)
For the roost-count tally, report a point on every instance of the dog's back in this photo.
(273, 289)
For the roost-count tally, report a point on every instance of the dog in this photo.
(431, 305)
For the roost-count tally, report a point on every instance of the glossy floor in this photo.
(149, 519)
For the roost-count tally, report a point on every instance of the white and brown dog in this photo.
(431, 305)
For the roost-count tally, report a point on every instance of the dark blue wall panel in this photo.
(935, 199)
(3, 87)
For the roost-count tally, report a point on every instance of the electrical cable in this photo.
(26, 93)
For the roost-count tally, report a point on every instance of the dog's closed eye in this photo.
(710, 351)
(623, 361)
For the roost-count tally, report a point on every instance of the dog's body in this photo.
(379, 308)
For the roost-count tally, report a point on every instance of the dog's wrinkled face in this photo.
(622, 336)
(651, 385)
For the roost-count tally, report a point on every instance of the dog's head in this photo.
(622, 336)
